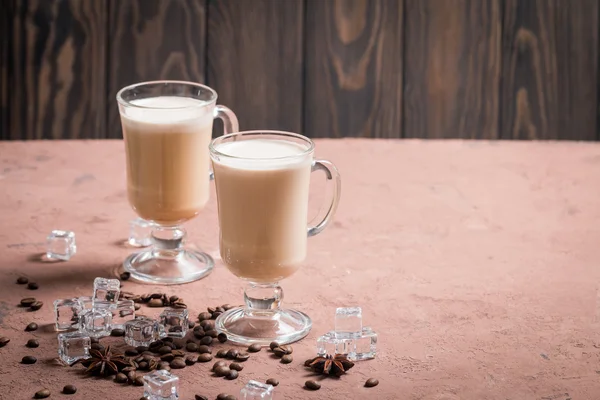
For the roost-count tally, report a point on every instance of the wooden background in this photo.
(490, 69)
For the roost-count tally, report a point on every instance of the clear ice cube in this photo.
(366, 345)
(348, 322)
(175, 322)
(66, 314)
(141, 331)
(60, 245)
(161, 385)
(73, 346)
(140, 232)
(96, 322)
(330, 344)
(106, 290)
(124, 311)
(256, 390)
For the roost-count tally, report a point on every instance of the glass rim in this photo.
(214, 152)
(126, 103)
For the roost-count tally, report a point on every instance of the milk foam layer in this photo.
(167, 110)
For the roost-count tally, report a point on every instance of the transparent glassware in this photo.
(167, 127)
(262, 182)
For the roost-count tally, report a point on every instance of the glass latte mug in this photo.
(262, 181)
(167, 127)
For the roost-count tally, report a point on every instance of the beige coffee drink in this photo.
(263, 205)
(166, 139)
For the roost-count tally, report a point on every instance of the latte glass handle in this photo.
(333, 178)
(230, 125)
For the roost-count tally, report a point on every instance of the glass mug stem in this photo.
(167, 241)
(262, 298)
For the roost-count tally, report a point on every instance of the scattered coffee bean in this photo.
(211, 309)
(216, 314)
(148, 357)
(200, 397)
(33, 343)
(28, 301)
(203, 316)
(165, 349)
(287, 348)
(136, 307)
(371, 382)
(279, 352)
(177, 363)
(127, 370)
(212, 333)
(191, 324)
(232, 353)
(94, 340)
(31, 327)
(242, 357)
(222, 396)
(28, 360)
(4, 341)
(173, 299)
(312, 385)
(155, 303)
(131, 375)
(138, 381)
(198, 333)
(117, 332)
(191, 347)
(121, 378)
(204, 349)
(272, 381)
(236, 366)
(222, 337)
(42, 394)
(178, 353)
(69, 389)
(32, 286)
(125, 276)
(207, 325)
(191, 360)
(233, 374)
(287, 359)
(206, 340)
(97, 346)
(204, 357)
(222, 353)
(254, 348)
(218, 364)
(273, 345)
(230, 397)
(36, 306)
(141, 349)
(222, 371)
(155, 296)
(131, 352)
(22, 280)
(167, 357)
(143, 365)
(163, 365)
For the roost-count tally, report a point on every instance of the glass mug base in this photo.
(246, 327)
(187, 266)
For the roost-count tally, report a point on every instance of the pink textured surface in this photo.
(476, 262)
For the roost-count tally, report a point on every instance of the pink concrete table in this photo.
(478, 264)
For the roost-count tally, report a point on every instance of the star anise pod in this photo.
(104, 362)
(328, 365)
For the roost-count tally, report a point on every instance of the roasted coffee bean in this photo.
(33, 286)
(97, 346)
(222, 337)
(156, 303)
(272, 381)
(212, 333)
(204, 349)
(198, 333)
(31, 327)
(165, 350)
(219, 309)
(191, 347)
(218, 364)
(191, 324)
(233, 374)
(287, 348)
(22, 280)
(222, 396)
(279, 352)
(126, 295)
(42, 394)
(127, 370)
(371, 382)
(137, 307)
(178, 353)
(143, 365)
(33, 343)
(205, 357)
(4, 341)
(204, 316)
(139, 359)
(179, 305)
(236, 366)
(138, 381)
(69, 389)
(211, 309)
(117, 332)
(156, 295)
(207, 324)
(227, 307)
(206, 340)
(254, 348)
(222, 353)
(131, 352)
(287, 359)
(167, 339)
(167, 357)
(36, 306)
(230, 397)
(121, 378)
(131, 375)
(200, 397)
(179, 344)
(27, 301)
(312, 385)
(222, 371)
(176, 329)
(163, 364)
(125, 276)
(28, 360)
(177, 363)
(137, 299)
(216, 314)
(173, 298)
(191, 360)
(232, 353)
(157, 344)
(148, 353)
(148, 357)
(241, 357)
(273, 345)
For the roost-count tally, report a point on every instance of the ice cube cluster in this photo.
(349, 336)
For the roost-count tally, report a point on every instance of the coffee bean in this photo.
(156, 295)
(138, 381)
(179, 305)
(69, 389)
(204, 349)
(125, 276)
(165, 350)
(131, 375)
(273, 345)
(236, 366)
(191, 347)
(136, 307)
(233, 374)
(33, 343)
(222, 353)
(28, 360)
(117, 332)
(230, 397)
(22, 280)
(200, 397)
(279, 352)
(222, 396)
(312, 385)
(222, 371)
(36, 306)
(143, 365)
(191, 324)
(241, 357)
(177, 363)
(204, 316)
(156, 303)
(204, 357)
(178, 353)
(232, 353)
(173, 299)
(157, 344)
(97, 346)
(42, 394)
(212, 333)
(222, 337)
(198, 333)
(167, 357)
(163, 365)
(32, 286)
(167, 340)
(31, 327)
(216, 314)
(121, 378)
(272, 381)
(218, 364)
(27, 301)
(207, 325)
(206, 340)
(287, 348)
(94, 340)
(131, 352)
(254, 348)
(4, 341)
(191, 360)
(287, 359)
(371, 382)
(148, 357)
(141, 349)
(211, 309)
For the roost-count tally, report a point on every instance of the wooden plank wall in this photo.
(481, 69)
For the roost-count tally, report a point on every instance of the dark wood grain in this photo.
(55, 70)
(550, 67)
(452, 69)
(255, 61)
(6, 20)
(353, 68)
(151, 40)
